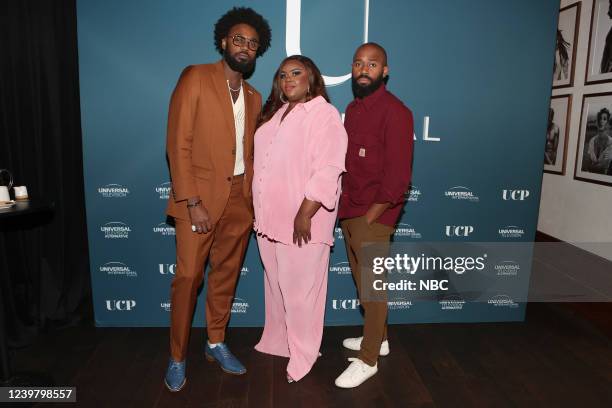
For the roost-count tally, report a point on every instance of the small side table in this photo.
(25, 214)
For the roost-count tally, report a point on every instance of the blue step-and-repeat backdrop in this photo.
(476, 74)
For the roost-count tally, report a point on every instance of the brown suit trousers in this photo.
(224, 247)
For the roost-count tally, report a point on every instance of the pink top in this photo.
(302, 156)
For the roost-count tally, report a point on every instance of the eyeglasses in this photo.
(240, 41)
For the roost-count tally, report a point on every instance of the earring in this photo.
(308, 91)
(281, 98)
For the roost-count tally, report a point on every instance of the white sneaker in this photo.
(354, 343)
(355, 374)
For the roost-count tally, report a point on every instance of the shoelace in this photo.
(224, 351)
(355, 367)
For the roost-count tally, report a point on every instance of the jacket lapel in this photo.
(224, 97)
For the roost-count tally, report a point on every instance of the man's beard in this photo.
(361, 91)
(245, 68)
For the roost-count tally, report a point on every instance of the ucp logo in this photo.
(122, 305)
(459, 230)
(516, 195)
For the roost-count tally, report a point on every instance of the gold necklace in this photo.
(232, 89)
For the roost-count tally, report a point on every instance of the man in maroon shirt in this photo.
(378, 165)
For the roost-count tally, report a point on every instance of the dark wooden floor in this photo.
(554, 359)
(561, 356)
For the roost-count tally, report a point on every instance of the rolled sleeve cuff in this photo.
(386, 196)
(323, 187)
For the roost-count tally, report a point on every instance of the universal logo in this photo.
(399, 304)
(164, 190)
(167, 269)
(452, 302)
(511, 231)
(341, 268)
(120, 305)
(113, 191)
(507, 268)
(406, 230)
(164, 229)
(240, 306)
(515, 195)
(117, 269)
(116, 230)
(413, 195)
(459, 230)
(166, 306)
(502, 301)
(461, 193)
(345, 304)
(338, 232)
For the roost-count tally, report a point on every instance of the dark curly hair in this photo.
(243, 15)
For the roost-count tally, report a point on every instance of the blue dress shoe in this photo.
(175, 376)
(228, 362)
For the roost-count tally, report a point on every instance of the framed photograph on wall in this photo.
(599, 61)
(594, 152)
(565, 48)
(557, 134)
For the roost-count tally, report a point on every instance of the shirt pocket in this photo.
(365, 154)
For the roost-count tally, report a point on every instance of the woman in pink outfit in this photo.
(300, 147)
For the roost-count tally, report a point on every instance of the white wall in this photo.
(575, 211)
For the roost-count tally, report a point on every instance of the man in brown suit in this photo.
(211, 123)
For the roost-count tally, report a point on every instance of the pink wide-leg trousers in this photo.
(295, 290)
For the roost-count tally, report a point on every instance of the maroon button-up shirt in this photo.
(379, 156)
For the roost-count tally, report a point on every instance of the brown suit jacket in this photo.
(201, 140)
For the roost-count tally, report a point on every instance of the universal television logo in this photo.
(113, 191)
(399, 304)
(511, 231)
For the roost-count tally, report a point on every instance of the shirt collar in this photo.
(312, 103)
(307, 106)
(371, 100)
